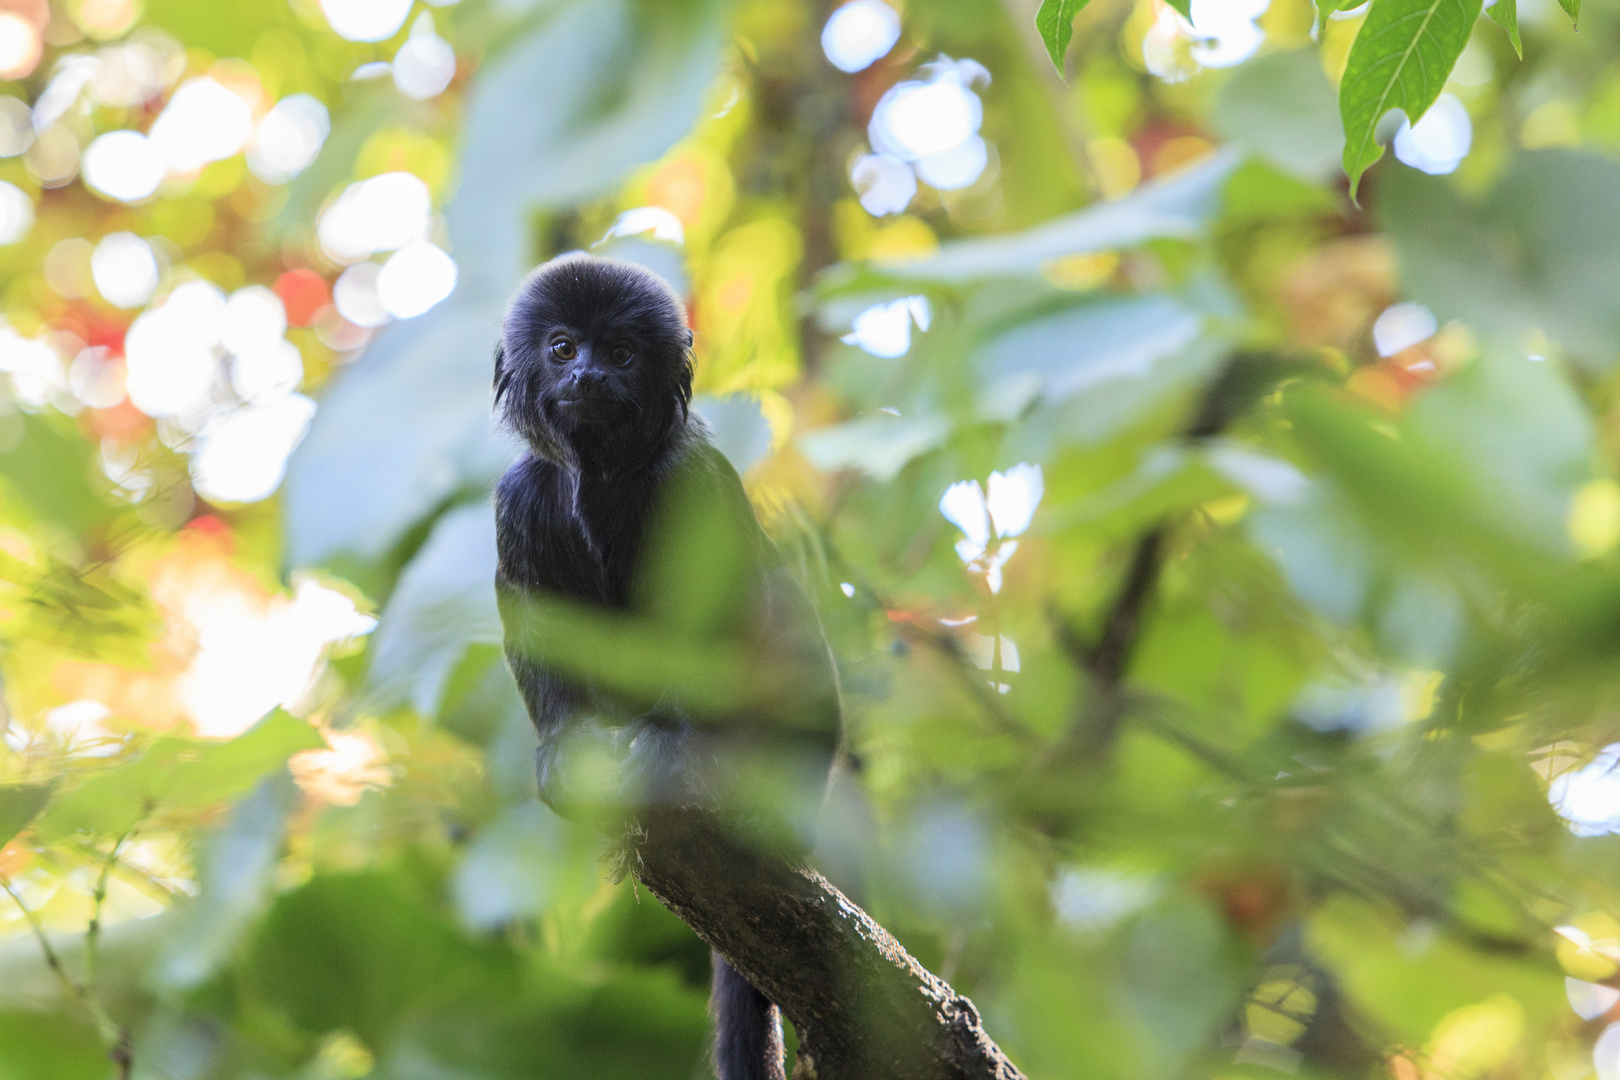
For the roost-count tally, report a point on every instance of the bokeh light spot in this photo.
(414, 279)
(243, 454)
(355, 295)
(366, 20)
(1437, 143)
(20, 46)
(124, 269)
(383, 213)
(663, 224)
(16, 126)
(885, 329)
(1401, 326)
(956, 168)
(426, 63)
(885, 185)
(171, 350)
(288, 138)
(16, 213)
(124, 165)
(1594, 517)
(203, 122)
(859, 34)
(303, 294)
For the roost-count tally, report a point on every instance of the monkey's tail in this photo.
(747, 1028)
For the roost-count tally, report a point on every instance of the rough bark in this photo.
(863, 1008)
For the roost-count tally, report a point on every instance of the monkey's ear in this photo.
(503, 376)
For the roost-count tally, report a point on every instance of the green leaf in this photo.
(19, 804)
(1183, 8)
(1505, 13)
(237, 877)
(740, 429)
(622, 82)
(407, 428)
(629, 1023)
(1055, 21)
(444, 603)
(1400, 60)
(1538, 253)
(1281, 106)
(356, 950)
(49, 469)
(1325, 8)
(1089, 344)
(1573, 8)
(1182, 976)
(35, 1046)
(397, 436)
(1178, 207)
(178, 774)
(879, 446)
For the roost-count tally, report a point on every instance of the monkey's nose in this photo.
(585, 382)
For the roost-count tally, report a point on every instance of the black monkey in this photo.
(622, 502)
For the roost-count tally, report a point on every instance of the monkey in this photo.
(622, 503)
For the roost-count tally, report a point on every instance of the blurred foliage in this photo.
(1265, 728)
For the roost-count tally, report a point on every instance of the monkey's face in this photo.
(594, 365)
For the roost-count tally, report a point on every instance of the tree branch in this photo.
(862, 1006)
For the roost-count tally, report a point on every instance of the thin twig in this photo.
(52, 959)
(111, 1033)
(92, 933)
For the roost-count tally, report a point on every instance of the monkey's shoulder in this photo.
(698, 472)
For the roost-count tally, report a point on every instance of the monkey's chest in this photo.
(576, 564)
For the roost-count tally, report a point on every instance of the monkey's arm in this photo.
(534, 559)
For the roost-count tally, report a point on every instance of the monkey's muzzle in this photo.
(587, 409)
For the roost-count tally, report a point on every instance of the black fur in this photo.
(585, 515)
(747, 1027)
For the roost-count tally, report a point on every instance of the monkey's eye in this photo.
(620, 356)
(564, 349)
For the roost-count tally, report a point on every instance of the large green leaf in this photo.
(1400, 60)
(1539, 253)
(49, 469)
(1182, 972)
(1281, 106)
(35, 1047)
(628, 1024)
(178, 774)
(1091, 343)
(396, 436)
(355, 951)
(236, 878)
(1177, 207)
(444, 603)
(409, 426)
(1055, 23)
(20, 804)
(621, 82)
(879, 446)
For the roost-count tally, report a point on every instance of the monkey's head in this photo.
(594, 365)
